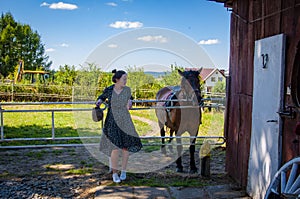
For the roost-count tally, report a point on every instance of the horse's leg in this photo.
(193, 168)
(162, 134)
(170, 140)
(179, 167)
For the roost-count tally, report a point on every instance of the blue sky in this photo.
(72, 30)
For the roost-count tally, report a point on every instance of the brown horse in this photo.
(187, 118)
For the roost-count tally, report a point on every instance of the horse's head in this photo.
(190, 84)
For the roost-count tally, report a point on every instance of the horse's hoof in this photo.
(163, 150)
(171, 149)
(179, 170)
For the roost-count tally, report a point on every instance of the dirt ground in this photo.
(72, 172)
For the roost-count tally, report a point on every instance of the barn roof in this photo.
(227, 3)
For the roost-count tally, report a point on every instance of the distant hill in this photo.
(156, 74)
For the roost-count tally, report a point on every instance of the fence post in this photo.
(205, 159)
(2, 125)
(73, 90)
(12, 91)
(53, 131)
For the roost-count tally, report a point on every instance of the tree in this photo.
(88, 76)
(220, 87)
(141, 84)
(66, 75)
(18, 41)
(104, 79)
(173, 78)
(86, 86)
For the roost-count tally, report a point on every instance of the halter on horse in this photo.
(181, 120)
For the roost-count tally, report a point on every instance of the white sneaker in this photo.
(116, 178)
(123, 175)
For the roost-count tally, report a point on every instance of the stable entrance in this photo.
(268, 90)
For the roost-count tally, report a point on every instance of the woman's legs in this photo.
(114, 164)
(125, 156)
(114, 160)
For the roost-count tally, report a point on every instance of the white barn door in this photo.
(268, 88)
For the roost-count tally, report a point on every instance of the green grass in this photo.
(4, 174)
(82, 171)
(79, 124)
(147, 113)
(141, 127)
(79, 171)
(212, 124)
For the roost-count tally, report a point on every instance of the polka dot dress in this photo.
(119, 131)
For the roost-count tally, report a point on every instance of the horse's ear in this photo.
(180, 72)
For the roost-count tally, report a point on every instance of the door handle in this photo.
(275, 121)
(287, 112)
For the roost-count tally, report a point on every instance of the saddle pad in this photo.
(167, 96)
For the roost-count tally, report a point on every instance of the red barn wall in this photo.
(253, 20)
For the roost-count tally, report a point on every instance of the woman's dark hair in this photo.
(117, 74)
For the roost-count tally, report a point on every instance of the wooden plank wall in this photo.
(253, 20)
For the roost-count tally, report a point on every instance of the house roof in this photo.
(206, 72)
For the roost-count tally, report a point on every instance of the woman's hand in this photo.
(129, 105)
(99, 102)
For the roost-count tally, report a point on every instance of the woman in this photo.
(119, 132)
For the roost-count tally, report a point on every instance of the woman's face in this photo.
(123, 80)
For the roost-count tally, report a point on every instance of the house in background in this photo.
(210, 76)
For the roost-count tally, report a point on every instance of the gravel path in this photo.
(73, 172)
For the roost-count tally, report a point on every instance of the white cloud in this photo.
(112, 46)
(126, 24)
(149, 38)
(60, 5)
(45, 4)
(209, 42)
(113, 4)
(64, 45)
(50, 50)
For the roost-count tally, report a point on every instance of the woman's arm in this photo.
(102, 97)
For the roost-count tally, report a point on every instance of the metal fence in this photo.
(219, 139)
